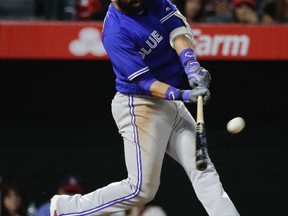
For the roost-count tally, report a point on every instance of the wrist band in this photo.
(187, 55)
(173, 93)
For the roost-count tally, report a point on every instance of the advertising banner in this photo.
(82, 40)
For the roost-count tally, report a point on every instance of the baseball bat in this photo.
(201, 139)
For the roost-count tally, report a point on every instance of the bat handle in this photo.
(200, 114)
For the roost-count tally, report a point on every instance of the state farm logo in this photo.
(89, 41)
(224, 45)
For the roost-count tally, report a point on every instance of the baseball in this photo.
(236, 125)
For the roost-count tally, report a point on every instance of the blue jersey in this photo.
(139, 45)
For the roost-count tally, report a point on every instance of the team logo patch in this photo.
(189, 54)
(171, 95)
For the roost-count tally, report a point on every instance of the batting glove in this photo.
(197, 75)
(192, 95)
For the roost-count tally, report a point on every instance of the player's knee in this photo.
(147, 193)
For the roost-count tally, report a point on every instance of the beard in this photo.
(133, 7)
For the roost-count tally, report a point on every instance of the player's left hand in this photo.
(200, 90)
(197, 75)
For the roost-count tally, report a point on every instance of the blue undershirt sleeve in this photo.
(144, 82)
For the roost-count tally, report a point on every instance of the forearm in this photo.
(164, 91)
(195, 73)
(181, 42)
(154, 87)
(158, 89)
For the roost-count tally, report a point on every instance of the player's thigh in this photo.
(145, 129)
(151, 136)
(181, 145)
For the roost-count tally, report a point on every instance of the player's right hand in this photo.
(197, 75)
(200, 90)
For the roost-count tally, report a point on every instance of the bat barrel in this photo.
(201, 147)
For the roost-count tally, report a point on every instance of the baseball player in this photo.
(150, 46)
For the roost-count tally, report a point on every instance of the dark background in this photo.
(56, 119)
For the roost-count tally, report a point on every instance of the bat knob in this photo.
(201, 165)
